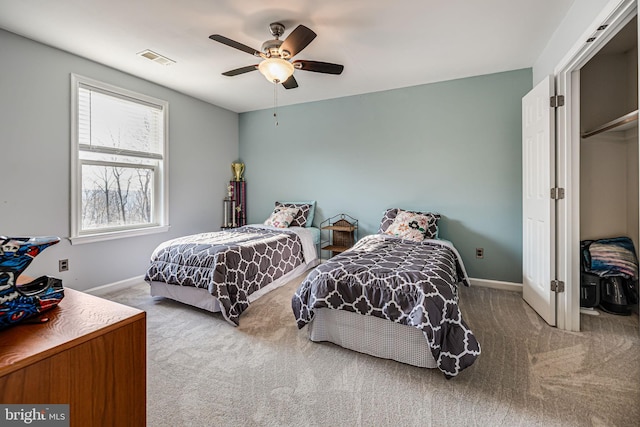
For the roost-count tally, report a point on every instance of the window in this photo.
(118, 161)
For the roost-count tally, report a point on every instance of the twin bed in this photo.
(393, 295)
(227, 270)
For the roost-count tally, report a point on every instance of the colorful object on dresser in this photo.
(21, 302)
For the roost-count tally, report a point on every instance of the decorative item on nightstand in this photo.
(340, 233)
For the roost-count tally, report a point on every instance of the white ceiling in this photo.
(382, 44)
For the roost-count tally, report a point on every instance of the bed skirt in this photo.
(201, 298)
(372, 335)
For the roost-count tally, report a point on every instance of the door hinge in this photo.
(557, 101)
(557, 286)
(557, 193)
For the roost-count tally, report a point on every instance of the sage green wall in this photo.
(452, 147)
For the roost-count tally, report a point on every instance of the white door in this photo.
(538, 219)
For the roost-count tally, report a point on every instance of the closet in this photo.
(609, 173)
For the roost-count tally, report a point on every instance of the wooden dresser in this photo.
(91, 354)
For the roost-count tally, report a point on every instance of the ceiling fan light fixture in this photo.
(276, 70)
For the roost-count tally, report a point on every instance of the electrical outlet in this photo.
(479, 252)
(63, 265)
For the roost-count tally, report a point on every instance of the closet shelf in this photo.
(621, 123)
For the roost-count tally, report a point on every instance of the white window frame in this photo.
(161, 178)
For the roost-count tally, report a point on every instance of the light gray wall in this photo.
(608, 89)
(452, 147)
(35, 156)
(578, 20)
(608, 195)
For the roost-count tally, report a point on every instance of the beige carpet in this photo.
(204, 372)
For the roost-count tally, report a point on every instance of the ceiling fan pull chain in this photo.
(275, 103)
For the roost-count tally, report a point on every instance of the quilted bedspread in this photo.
(231, 264)
(406, 282)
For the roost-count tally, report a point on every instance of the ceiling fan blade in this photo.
(242, 70)
(234, 44)
(297, 40)
(290, 83)
(318, 67)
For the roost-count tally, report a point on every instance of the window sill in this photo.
(101, 237)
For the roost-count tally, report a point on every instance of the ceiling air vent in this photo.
(156, 57)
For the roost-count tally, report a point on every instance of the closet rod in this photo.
(627, 118)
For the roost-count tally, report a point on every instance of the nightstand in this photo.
(340, 234)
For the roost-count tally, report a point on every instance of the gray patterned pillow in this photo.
(390, 215)
(304, 217)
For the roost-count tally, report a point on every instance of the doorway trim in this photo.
(615, 16)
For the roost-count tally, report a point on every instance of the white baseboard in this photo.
(116, 286)
(496, 284)
(127, 283)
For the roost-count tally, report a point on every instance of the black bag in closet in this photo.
(589, 282)
(613, 292)
(618, 295)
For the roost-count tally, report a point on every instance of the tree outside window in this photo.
(119, 162)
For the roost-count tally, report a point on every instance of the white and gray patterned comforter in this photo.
(230, 264)
(406, 282)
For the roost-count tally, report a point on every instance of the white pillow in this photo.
(281, 217)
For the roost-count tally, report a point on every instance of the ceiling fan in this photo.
(276, 64)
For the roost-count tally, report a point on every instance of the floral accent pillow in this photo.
(415, 226)
(304, 217)
(281, 217)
